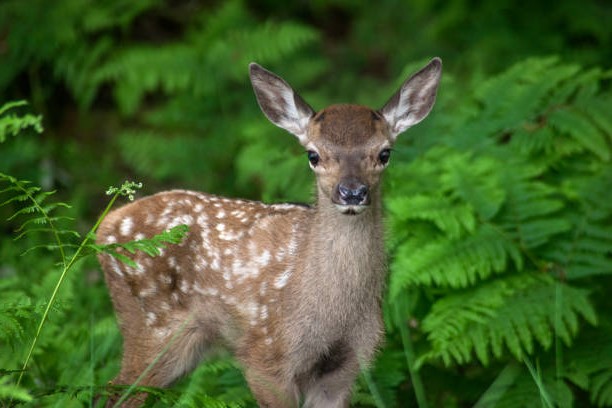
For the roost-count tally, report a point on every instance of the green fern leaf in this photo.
(576, 125)
(450, 217)
(453, 263)
(510, 312)
(12, 124)
(150, 246)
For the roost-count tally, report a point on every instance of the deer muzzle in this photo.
(351, 197)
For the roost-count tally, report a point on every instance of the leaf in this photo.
(454, 263)
(450, 217)
(579, 127)
(512, 311)
(150, 246)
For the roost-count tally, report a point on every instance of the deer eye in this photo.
(313, 158)
(384, 156)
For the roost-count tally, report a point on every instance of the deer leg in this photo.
(159, 364)
(270, 391)
(331, 379)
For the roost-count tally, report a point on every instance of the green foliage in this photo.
(16, 312)
(150, 246)
(498, 205)
(505, 223)
(11, 124)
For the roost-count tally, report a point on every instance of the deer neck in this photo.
(345, 253)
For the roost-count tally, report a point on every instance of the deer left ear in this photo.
(280, 103)
(414, 100)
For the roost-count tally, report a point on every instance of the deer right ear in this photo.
(413, 102)
(281, 105)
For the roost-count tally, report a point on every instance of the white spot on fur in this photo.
(263, 313)
(230, 236)
(149, 219)
(115, 266)
(139, 270)
(200, 263)
(229, 300)
(183, 219)
(268, 341)
(221, 214)
(146, 292)
(161, 332)
(292, 247)
(111, 239)
(243, 271)
(250, 310)
(184, 286)
(202, 220)
(282, 279)
(220, 227)
(151, 318)
(205, 291)
(126, 226)
(264, 258)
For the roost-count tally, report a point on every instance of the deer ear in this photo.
(281, 105)
(414, 100)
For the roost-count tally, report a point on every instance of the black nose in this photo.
(352, 193)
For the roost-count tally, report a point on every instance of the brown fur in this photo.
(294, 291)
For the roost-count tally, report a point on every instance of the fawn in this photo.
(294, 291)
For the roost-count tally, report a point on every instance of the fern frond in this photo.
(11, 392)
(525, 392)
(16, 310)
(579, 127)
(475, 180)
(150, 246)
(201, 62)
(221, 377)
(590, 368)
(450, 217)
(23, 191)
(513, 312)
(453, 263)
(12, 124)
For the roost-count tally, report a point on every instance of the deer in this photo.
(293, 291)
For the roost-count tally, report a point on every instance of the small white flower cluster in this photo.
(127, 189)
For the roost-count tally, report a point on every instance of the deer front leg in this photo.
(331, 381)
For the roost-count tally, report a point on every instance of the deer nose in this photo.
(353, 193)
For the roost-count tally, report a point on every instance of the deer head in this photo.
(348, 146)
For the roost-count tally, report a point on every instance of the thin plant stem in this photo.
(60, 281)
(365, 371)
(415, 377)
(499, 387)
(537, 378)
(558, 322)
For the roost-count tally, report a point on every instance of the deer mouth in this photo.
(351, 209)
